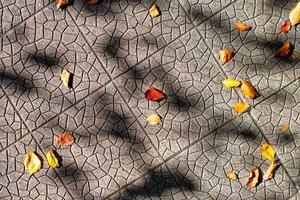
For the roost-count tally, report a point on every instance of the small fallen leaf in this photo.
(286, 26)
(61, 3)
(231, 175)
(154, 119)
(231, 83)
(154, 10)
(52, 159)
(91, 2)
(253, 178)
(226, 55)
(242, 26)
(65, 139)
(270, 172)
(248, 90)
(295, 15)
(268, 151)
(284, 51)
(32, 163)
(65, 77)
(153, 94)
(285, 127)
(240, 107)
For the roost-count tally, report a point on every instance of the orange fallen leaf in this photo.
(65, 139)
(231, 175)
(253, 178)
(285, 127)
(242, 26)
(240, 107)
(61, 3)
(284, 50)
(286, 26)
(270, 172)
(226, 55)
(248, 90)
(154, 10)
(91, 2)
(153, 94)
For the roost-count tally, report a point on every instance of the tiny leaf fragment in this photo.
(240, 107)
(65, 139)
(65, 77)
(242, 27)
(295, 15)
(154, 10)
(52, 159)
(271, 170)
(154, 119)
(226, 55)
(91, 2)
(32, 162)
(231, 83)
(268, 151)
(285, 127)
(253, 178)
(286, 26)
(153, 94)
(248, 90)
(231, 175)
(284, 51)
(61, 3)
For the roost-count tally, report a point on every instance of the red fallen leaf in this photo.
(153, 94)
(65, 139)
(286, 26)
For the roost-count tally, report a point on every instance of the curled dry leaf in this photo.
(253, 178)
(154, 10)
(61, 3)
(154, 119)
(295, 15)
(153, 94)
(270, 172)
(91, 2)
(286, 26)
(231, 83)
(248, 90)
(285, 127)
(240, 107)
(65, 139)
(65, 77)
(268, 151)
(242, 26)
(231, 175)
(52, 159)
(284, 51)
(32, 163)
(226, 55)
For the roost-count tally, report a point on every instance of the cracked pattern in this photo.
(272, 114)
(254, 59)
(13, 12)
(236, 146)
(123, 33)
(196, 101)
(33, 56)
(16, 184)
(11, 126)
(110, 148)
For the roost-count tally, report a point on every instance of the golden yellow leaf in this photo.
(52, 159)
(154, 119)
(65, 77)
(240, 107)
(230, 83)
(270, 172)
(268, 151)
(295, 15)
(231, 175)
(154, 10)
(242, 26)
(248, 90)
(253, 178)
(32, 162)
(226, 55)
(61, 3)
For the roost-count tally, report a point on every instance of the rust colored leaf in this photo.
(284, 51)
(65, 139)
(286, 26)
(248, 90)
(253, 178)
(242, 27)
(270, 172)
(285, 127)
(91, 2)
(154, 10)
(61, 3)
(226, 55)
(240, 107)
(153, 94)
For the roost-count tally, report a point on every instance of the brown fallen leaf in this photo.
(248, 90)
(65, 139)
(240, 107)
(286, 26)
(284, 51)
(226, 55)
(91, 2)
(253, 178)
(154, 10)
(62, 3)
(242, 27)
(285, 128)
(295, 15)
(270, 172)
(231, 175)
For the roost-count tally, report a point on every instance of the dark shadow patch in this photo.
(285, 138)
(20, 82)
(43, 59)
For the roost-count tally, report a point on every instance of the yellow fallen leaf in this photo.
(154, 10)
(61, 3)
(32, 162)
(268, 151)
(248, 90)
(226, 55)
(295, 15)
(230, 83)
(65, 77)
(285, 127)
(154, 119)
(270, 172)
(231, 175)
(242, 27)
(253, 178)
(240, 107)
(52, 159)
